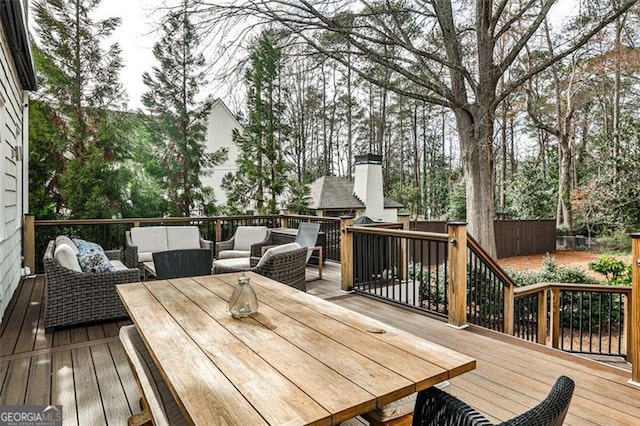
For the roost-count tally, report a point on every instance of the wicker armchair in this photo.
(79, 297)
(246, 242)
(287, 268)
(435, 407)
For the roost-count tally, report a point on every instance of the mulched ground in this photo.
(574, 259)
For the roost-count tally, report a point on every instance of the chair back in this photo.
(552, 410)
(308, 235)
(437, 408)
(182, 263)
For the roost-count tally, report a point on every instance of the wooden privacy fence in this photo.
(513, 237)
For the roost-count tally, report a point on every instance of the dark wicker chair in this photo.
(437, 408)
(182, 263)
(80, 297)
(287, 268)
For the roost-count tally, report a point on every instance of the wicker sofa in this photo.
(74, 297)
(142, 242)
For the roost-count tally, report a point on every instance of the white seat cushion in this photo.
(230, 254)
(150, 238)
(277, 250)
(117, 265)
(66, 257)
(237, 262)
(245, 236)
(183, 237)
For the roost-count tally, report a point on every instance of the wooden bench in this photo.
(158, 405)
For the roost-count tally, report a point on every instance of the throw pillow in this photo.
(91, 257)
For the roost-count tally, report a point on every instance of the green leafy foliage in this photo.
(552, 273)
(177, 126)
(76, 142)
(615, 271)
(262, 172)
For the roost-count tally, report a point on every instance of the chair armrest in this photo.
(131, 253)
(224, 245)
(112, 254)
(206, 244)
(257, 248)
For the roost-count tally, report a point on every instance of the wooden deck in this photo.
(85, 370)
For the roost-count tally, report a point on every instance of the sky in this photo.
(136, 36)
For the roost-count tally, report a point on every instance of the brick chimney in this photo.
(367, 184)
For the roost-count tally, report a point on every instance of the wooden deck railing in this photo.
(450, 275)
(110, 233)
(582, 318)
(446, 274)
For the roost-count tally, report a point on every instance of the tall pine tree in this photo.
(79, 85)
(177, 123)
(262, 173)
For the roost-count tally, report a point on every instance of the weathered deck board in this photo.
(85, 370)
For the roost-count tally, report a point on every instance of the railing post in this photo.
(542, 317)
(555, 318)
(284, 221)
(457, 275)
(346, 253)
(218, 230)
(30, 242)
(634, 305)
(509, 308)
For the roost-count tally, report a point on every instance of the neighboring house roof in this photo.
(336, 193)
(15, 28)
(221, 103)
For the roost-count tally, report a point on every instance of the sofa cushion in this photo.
(246, 236)
(60, 239)
(239, 263)
(150, 238)
(117, 265)
(145, 256)
(231, 254)
(66, 257)
(284, 248)
(91, 257)
(183, 237)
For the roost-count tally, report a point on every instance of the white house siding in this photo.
(12, 130)
(221, 123)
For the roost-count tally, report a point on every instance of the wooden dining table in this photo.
(299, 360)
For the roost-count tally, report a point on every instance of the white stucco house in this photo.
(17, 78)
(220, 124)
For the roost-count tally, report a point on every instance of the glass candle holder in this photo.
(243, 301)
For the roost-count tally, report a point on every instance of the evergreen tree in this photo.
(262, 171)
(177, 126)
(79, 84)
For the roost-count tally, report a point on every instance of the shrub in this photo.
(615, 271)
(550, 272)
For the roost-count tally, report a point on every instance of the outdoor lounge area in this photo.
(85, 369)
